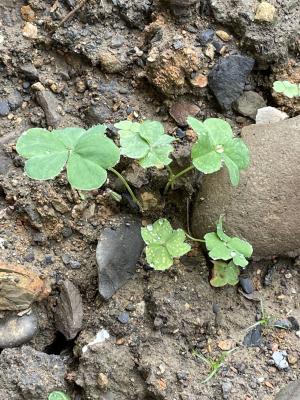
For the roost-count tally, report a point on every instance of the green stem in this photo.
(194, 239)
(173, 177)
(123, 180)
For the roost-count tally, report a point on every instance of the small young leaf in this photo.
(145, 142)
(287, 88)
(223, 247)
(215, 146)
(163, 244)
(224, 274)
(88, 154)
(57, 395)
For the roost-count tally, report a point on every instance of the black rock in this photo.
(123, 317)
(4, 108)
(48, 260)
(294, 324)
(180, 133)
(246, 284)
(206, 37)
(253, 337)
(15, 100)
(228, 77)
(15, 331)
(98, 114)
(117, 254)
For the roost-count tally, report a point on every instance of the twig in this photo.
(71, 13)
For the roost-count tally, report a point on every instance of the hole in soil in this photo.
(60, 345)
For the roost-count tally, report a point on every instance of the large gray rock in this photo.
(29, 374)
(289, 392)
(265, 207)
(117, 254)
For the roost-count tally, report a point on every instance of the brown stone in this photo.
(181, 110)
(30, 31)
(200, 81)
(20, 287)
(265, 208)
(27, 13)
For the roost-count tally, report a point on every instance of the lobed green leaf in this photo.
(145, 142)
(57, 395)
(216, 146)
(163, 244)
(224, 274)
(287, 88)
(87, 155)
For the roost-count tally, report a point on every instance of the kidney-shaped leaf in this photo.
(145, 142)
(216, 146)
(163, 244)
(224, 274)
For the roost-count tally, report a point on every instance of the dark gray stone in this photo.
(69, 310)
(289, 392)
(49, 104)
(283, 324)
(29, 71)
(98, 114)
(15, 331)
(117, 254)
(228, 77)
(29, 374)
(246, 284)
(253, 337)
(4, 108)
(15, 100)
(205, 37)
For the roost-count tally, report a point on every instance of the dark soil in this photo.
(171, 314)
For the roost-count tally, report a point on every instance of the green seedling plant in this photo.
(214, 365)
(88, 155)
(57, 395)
(163, 244)
(287, 88)
(145, 142)
(266, 320)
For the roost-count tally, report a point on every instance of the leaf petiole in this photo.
(173, 177)
(123, 180)
(194, 239)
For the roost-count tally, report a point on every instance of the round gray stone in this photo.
(15, 331)
(265, 208)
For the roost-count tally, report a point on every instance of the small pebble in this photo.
(280, 359)
(206, 36)
(123, 317)
(246, 284)
(4, 108)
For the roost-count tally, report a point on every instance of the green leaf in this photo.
(37, 142)
(69, 136)
(87, 154)
(287, 88)
(196, 125)
(46, 166)
(204, 156)
(224, 274)
(145, 142)
(57, 395)
(224, 247)
(163, 244)
(216, 146)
